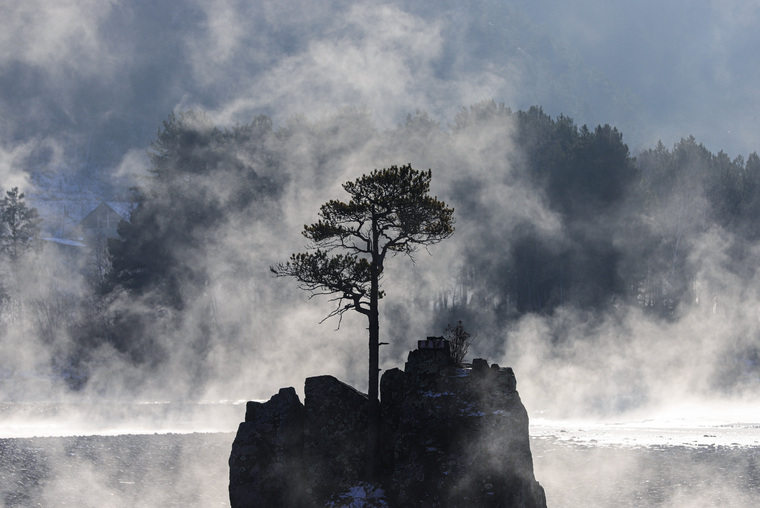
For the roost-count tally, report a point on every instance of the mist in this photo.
(626, 312)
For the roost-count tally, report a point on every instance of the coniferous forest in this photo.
(554, 221)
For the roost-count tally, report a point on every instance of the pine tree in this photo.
(20, 225)
(390, 211)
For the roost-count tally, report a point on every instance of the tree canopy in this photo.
(200, 179)
(182, 206)
(390, 211)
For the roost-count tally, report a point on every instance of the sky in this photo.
(89, 81)
(689, 65)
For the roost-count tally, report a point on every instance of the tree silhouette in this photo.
(20, 225)
(390, 211)
(459, 341)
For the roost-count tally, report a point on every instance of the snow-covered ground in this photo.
(650, 432)
(689, 455)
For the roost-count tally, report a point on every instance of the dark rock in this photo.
(335, 435)
(450, 437)
(458, 439)
(430, 362)
(266, 456)
(479, 365)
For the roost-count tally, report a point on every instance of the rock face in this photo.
(267, 455)
(450, 437)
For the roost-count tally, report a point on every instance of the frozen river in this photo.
(175, 454)
(651, 462)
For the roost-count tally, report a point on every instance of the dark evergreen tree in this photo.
(201, 178)
(674, 202)
(19, 225)
(390, 212)
(585, 176)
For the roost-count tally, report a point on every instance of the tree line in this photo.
(597, 228)
(627, 223)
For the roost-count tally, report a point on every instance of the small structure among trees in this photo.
(101, 223)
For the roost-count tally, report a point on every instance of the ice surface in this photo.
(113, 418)
(682, 425)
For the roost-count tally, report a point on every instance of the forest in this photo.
(550, 216)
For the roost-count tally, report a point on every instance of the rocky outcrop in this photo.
(451, 436)
(335, 436)
(266, 462)
(456, 436)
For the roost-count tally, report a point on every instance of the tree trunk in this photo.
(373, 410)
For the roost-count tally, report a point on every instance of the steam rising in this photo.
(353, 87)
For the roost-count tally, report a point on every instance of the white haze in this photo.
(345, 66)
